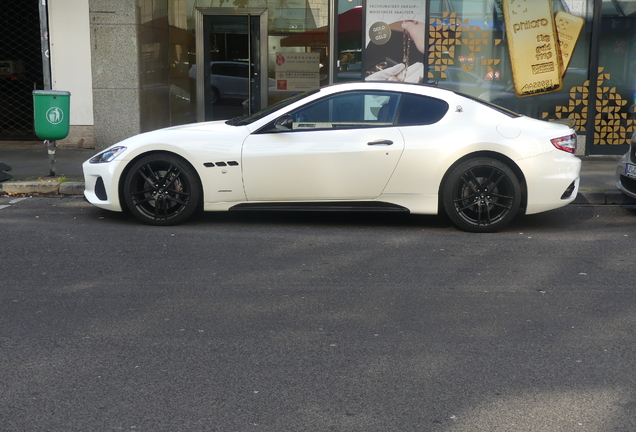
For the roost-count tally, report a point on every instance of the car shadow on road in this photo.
(321, 219)
(571, 218)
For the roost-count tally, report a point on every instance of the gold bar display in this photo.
(568, 30)
(533, 46)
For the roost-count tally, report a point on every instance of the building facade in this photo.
(134, 65)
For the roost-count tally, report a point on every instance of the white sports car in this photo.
(371, 146)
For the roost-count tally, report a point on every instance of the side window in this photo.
(242, 71)
(348, 110)
(420, 110)
(222, 69)
(231, 70)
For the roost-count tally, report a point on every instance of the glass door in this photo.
(614, 120)
(230, 44)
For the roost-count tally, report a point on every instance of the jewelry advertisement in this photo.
(395, 40)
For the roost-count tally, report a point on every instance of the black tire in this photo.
(215, 95)
(481, 195)
(162, 189)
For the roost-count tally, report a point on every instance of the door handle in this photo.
(380, 142)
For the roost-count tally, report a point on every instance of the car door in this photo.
(342, 147)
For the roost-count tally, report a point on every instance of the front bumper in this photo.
(626, 185)
(101, 185)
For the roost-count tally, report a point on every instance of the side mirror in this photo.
(284, 123)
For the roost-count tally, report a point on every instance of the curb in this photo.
(603, 198)
(42, 187)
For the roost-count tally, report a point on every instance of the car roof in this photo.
(417, 88)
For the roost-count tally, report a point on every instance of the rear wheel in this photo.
(161, 189)
(481, 195)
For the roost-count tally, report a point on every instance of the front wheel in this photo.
(481, 195)
(161, 189)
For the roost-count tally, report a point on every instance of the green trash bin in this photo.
(51, 114)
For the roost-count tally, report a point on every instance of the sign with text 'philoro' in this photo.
(533, 46)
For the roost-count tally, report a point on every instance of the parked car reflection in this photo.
(228, 80)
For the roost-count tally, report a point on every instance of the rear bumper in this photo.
(552, 180)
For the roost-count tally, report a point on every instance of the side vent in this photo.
(568, 192)
(100, 189)
(220, 164)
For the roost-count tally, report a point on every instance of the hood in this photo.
(217, 125)
(187, 132)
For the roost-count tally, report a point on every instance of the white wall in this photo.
(69, 37)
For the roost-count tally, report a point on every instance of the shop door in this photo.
(233, 82)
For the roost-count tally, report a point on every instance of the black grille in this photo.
(20, 68)
(632, 151)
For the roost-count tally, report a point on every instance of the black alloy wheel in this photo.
(481, 195)
(161, 189)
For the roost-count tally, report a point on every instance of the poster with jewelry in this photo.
(394, 40)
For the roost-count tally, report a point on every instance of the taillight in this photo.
(566, 143)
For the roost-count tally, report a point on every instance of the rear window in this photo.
(501, 109)
(420, 110)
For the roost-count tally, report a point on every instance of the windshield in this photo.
(245, 120)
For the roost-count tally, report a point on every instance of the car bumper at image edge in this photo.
(625, 184)
(98, 176)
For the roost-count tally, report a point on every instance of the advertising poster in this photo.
(540, 44)
(395, 40)
(297, 72)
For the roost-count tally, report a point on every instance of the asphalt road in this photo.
(315, 322)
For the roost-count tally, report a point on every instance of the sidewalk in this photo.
(598, 184)
(29, 162)
(30, 172)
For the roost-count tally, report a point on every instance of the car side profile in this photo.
(370, 146)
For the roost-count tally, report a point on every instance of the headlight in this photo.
(107, 155)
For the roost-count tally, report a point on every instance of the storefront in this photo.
(567, 60)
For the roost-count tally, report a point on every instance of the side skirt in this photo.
(355, 206)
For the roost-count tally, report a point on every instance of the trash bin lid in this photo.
(52, 92)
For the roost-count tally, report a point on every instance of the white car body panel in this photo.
(199, 143)
(320, 165)
(551, 174)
